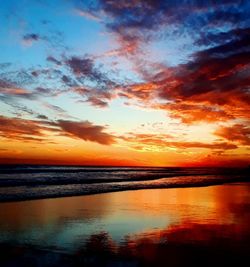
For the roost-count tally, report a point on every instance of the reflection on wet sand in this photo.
(189, 245)
(24, 214)
(169, 227)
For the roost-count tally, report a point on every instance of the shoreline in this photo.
(129, 187)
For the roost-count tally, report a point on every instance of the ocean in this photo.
(24, 182)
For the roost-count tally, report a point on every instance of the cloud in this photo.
(54, 60)
(54, 39)
(85, 14)
(221, 145)
(83, 67)
(42, 117)
(87, 131)
(88, 81)
(140, 21)
(238, 133)
(97, 102)
(231, 36)
(17, 92)
(30, 38)
(141, 91)
(28, 83)
(212, 84)
(10, 90)
(20, 129)
(162, 142)
(97, 98)
(193, 112)
(11, 95)
(13, 128)
(98, 93)
(217, 86)
(56, 110)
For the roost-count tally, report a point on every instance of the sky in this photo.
(130, 83)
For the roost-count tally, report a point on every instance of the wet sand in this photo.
(161, 227)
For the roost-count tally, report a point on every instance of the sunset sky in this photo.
(155, 83)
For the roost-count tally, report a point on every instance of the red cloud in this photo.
(236, 133)
(208, 88)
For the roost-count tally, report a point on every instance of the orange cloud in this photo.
(31, 130)
(141, 141)
(191, 112)
(237, 133)
(20, 129)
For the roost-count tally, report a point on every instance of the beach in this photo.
(153, 227)
(26, 182)
(124, 133)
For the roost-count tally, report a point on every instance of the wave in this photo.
(25, 185)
